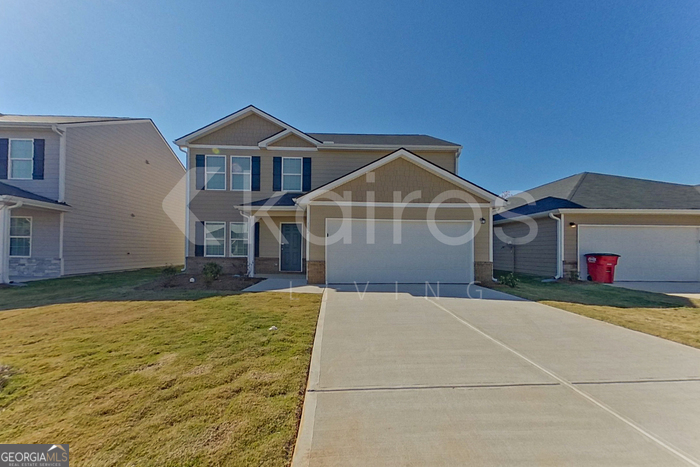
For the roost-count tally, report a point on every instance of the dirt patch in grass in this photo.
(225, 283)
(5, 373)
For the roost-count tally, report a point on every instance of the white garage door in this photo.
(418, 258)
(647, 253)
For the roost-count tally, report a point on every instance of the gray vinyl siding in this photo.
(538, 257)
(46, 231)
(47, 187)
(326, 166)
(120, 180)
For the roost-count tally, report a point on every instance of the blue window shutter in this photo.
(38, 173)
(277, 174)
(255, 174)
(306, 185)
(199, 164)
(4, 146)
(199, 239)
(257, 239)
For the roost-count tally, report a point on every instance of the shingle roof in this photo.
(381, 139)
(57, 119)
(542, 205)
(286, 199)
(9, 190)
(602, 191)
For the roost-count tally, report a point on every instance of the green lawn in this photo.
(670, 317)
(135, 377)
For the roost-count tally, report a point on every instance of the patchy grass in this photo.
(667, 316)
(131, 377)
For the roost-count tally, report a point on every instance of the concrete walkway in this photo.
(289, 283)
(397, 379)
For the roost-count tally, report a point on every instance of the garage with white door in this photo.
(403, 251)
(648, 253)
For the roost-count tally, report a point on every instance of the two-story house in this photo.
(265, 197)
(87, 194)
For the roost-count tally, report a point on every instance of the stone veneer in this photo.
(317, 272)
(483, 271)
(35, 267)
(231, 265)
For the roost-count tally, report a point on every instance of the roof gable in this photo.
(384, 173)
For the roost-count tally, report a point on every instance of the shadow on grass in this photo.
(118, 286)
(590, 293)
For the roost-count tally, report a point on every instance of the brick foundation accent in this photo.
(483, 271)
(571, 270)
(317, 272)
(231, 265)
(267, 266)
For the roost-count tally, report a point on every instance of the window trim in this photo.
(250, 173)
(301, 175)
(206, 172)
(31, 232)
(230, 239)
(206, 231)
(9, 159)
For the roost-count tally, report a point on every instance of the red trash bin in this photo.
(601, 267)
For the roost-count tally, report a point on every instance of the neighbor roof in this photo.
(283, 200)
(541, 205)
(9, 190)
(57, 119)
(601, 191)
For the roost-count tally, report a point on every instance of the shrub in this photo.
(211, 272)
(509, 279)
(573, 276)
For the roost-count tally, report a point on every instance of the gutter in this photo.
(560, 245)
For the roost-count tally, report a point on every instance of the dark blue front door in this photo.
(291, 248)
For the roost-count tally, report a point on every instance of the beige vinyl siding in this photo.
(403, 177)
(571, 234)
(248, 131)
(538, 257)
(47, 187)
(46, 231)
(292, 141)
(326, 166)
(319, 214)
(117, 220)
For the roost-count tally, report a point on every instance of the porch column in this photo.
(4, 244)
(251, 246)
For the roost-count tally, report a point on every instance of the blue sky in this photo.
(533, 90)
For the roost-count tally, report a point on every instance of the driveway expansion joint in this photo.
(443, 386)
(639, 381)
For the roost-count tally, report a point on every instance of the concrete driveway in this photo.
(400, 380)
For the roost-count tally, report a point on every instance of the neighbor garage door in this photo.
(647, 253)
(420, 257)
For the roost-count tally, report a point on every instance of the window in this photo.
(214, 238)
(21, 236)
(291, 174)
(239, 239)
(215, 172)
(240, 173)
(21, 159)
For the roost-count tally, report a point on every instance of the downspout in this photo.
(560, 242)
(5, 237)
(187, 204)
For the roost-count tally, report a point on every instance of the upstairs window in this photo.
(240, 173)
(291, 173)
(214, 238)
(239, 239)
(215, 172)
(21, 237)
(21, 159)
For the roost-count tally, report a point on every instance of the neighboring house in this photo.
(87, 194)
(263, 198)
(654, 226)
